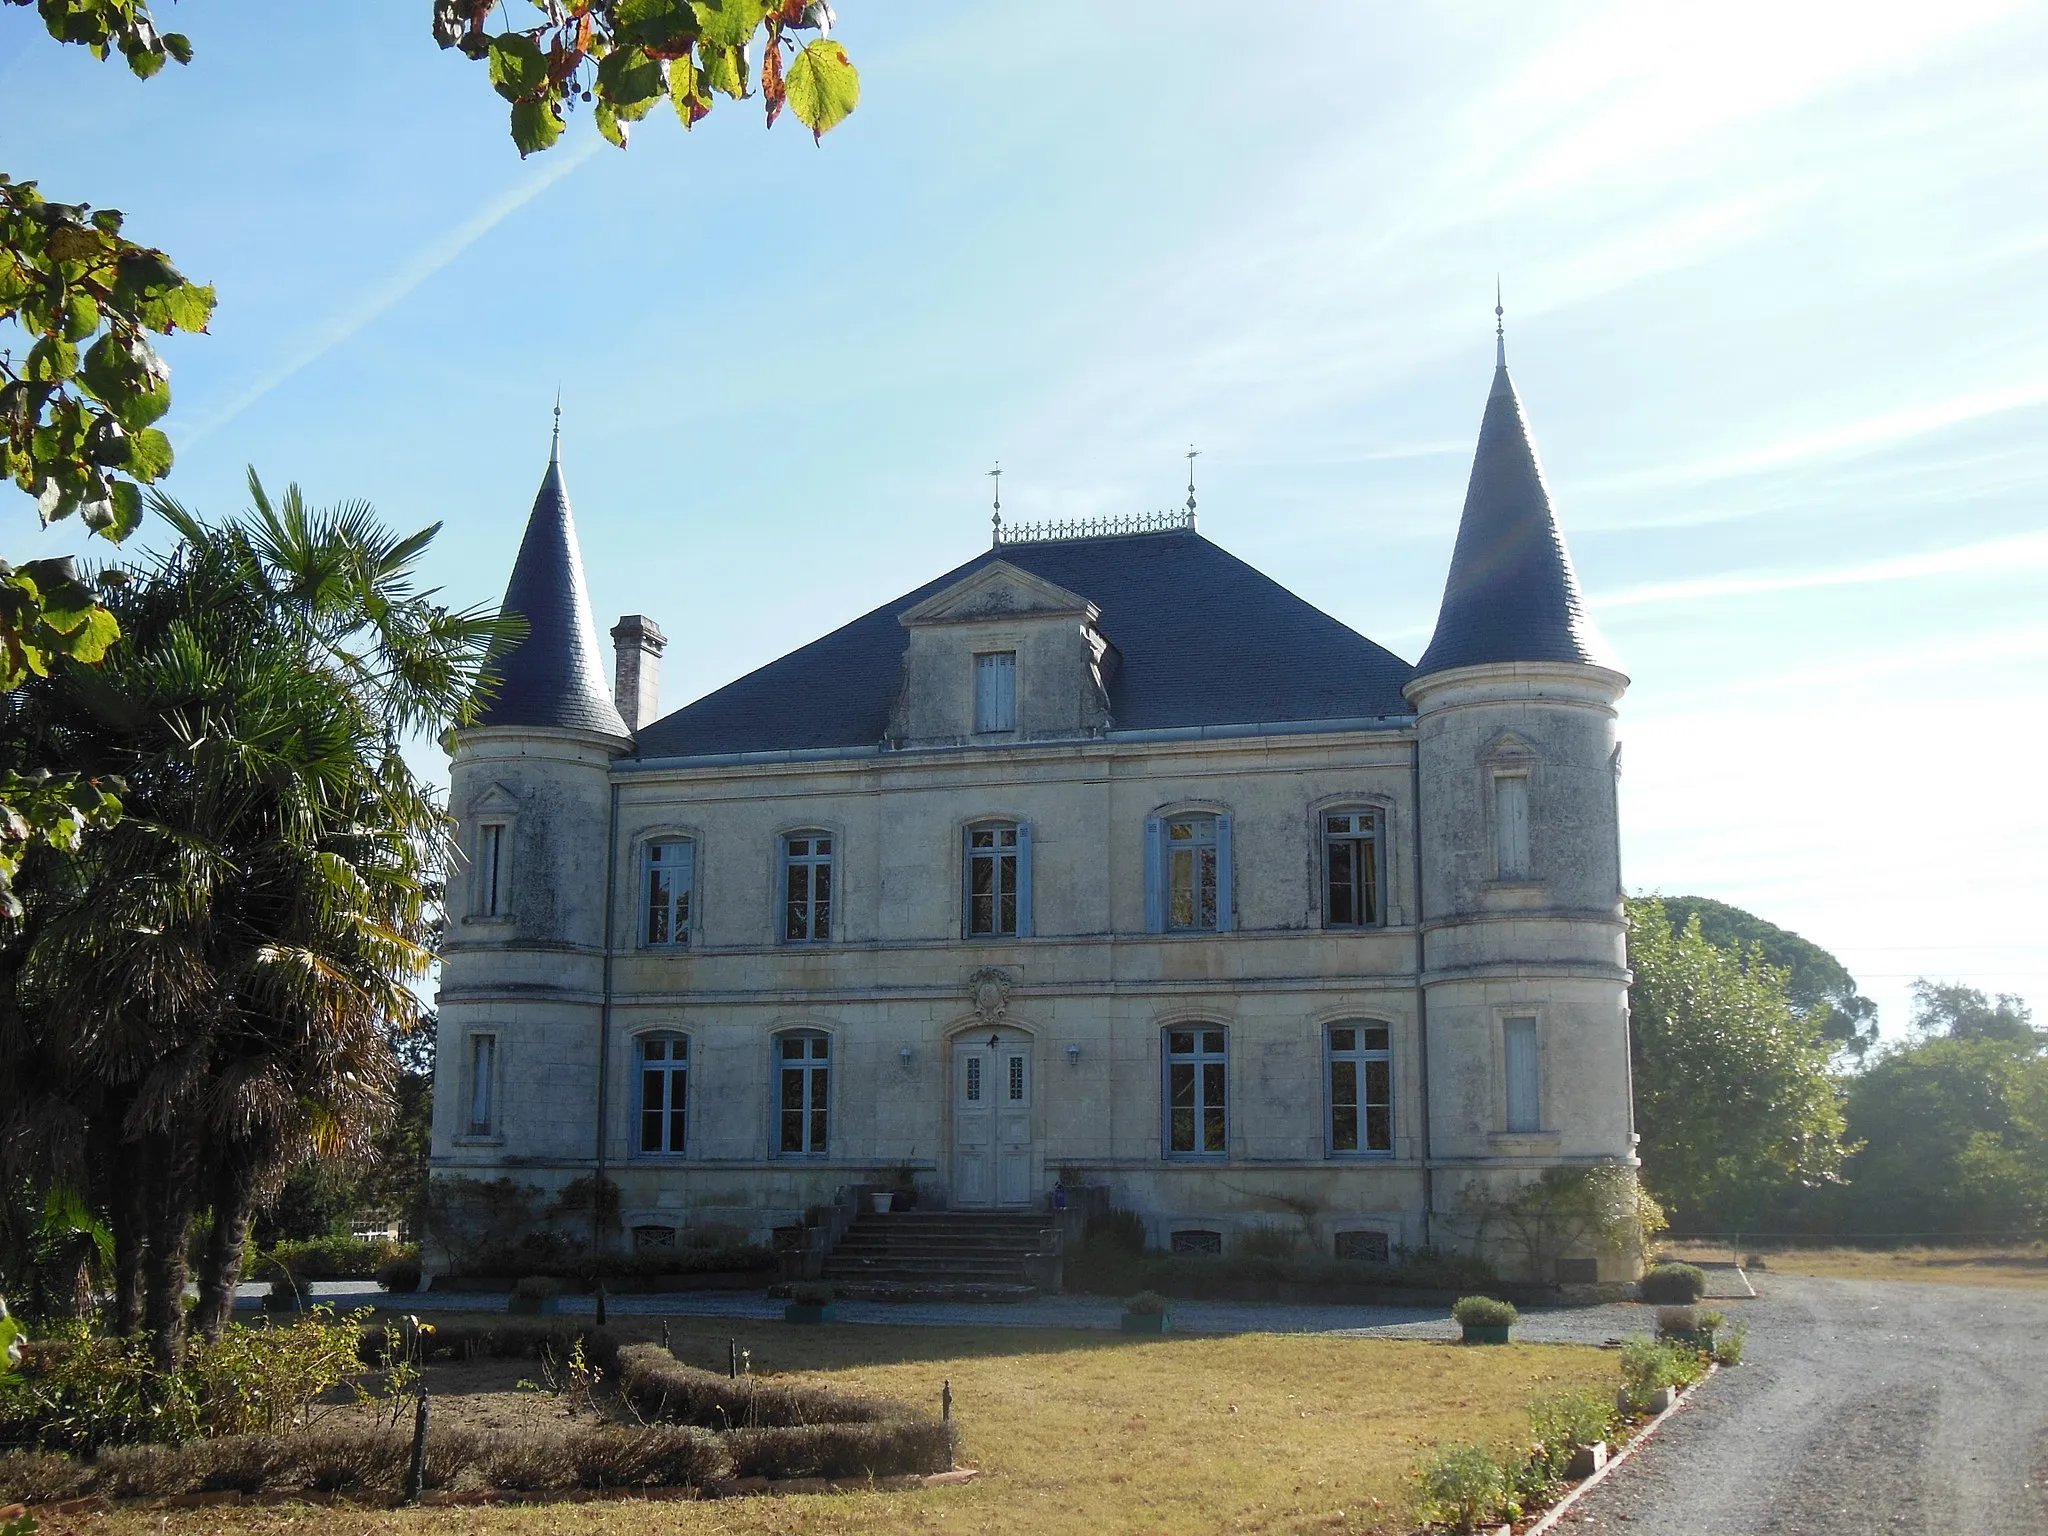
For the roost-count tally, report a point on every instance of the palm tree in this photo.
(203, 992)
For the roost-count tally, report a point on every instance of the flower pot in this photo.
(1587, 1459)
(1487, 1333)
(1146, 1322)
(532, 1306)
(1701, 1339)
(880, 1200)
(1656, 1402)
(903, 1200)
(797, 1312)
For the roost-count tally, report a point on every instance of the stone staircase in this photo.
(933, 1255)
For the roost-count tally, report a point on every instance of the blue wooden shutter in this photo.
(1024, 929)
(1155, 875)
(1523, 1077)
(1226, 893)
(966, 882)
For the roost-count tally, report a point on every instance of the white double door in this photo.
(992, 1148)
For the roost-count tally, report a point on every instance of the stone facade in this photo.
(1491, 994)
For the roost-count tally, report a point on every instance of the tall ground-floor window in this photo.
(664, 1092)
(1360, 1086)
(803, 1070)
(1197, 1091)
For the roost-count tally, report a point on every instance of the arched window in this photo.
(1351, 869)
(803, 1082)
(1197, 1062)
(1359, 1086)
(664, 1062)
(668, 889)
(807, 887)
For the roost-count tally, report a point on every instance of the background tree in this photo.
(1818, 984)
(1733, 1097)
(1961, 1012)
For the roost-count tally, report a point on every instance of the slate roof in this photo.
(1203, 638)
(555, 675)
(1511, 594)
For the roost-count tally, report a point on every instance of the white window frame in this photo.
(1161, 848)
(995, 692)
(675, 1106)
(816, 932)
(1526, 1104)
(1376, 840)
(810, 1109)
(1359, 1056)
(680, 924)
(1017, 854)
(483, 1078)
(1209, 1047)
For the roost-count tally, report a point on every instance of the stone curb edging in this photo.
(1556, 1512)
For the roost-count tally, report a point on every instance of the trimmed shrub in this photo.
(555, 1258)
(331, 1258)
(889, 1448)
(1647, 1366)
(1104, 1268)
(1148, 1304)
(1673, 1285)
(1672, 1320)
(399, 1275)
(1485, 1312)
(660, 1387)
(1466, 1486)
(811, 1293)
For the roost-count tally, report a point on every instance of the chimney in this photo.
(637, 685)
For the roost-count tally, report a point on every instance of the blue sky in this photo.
(1773, 275)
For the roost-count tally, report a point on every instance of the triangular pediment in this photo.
(998, 590)
(1507, 747)
(494, 800)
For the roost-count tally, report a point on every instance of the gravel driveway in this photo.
(1865, 1406)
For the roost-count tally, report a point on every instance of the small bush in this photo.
(1485, 1312)
(1672, 1320)
(1269, 1240)
(1467, 1486)
(1647, 1366)
(1148, 1304)
(538, 1288)
(1677, 1285)
(399, 1275)
(1713, 1322)
(1728, 1346)
(1115, 1232)
(811, 1293)
(660, 1387)
(509, 1340)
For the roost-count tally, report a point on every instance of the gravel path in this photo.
(1864, 1407)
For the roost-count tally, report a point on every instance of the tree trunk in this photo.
(126, 1209)
(173, 1204)
(235, 1188)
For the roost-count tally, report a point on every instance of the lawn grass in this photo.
(2015, 1266)
(1077, 1434)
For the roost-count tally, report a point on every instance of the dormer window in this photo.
(995, 691)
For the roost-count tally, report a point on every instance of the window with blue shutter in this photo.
(1188, 873)
(997, 871)
(995, 691)
(1525, 1114)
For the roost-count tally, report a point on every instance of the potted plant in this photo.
(535, 1296)
(1148, 1312)
(810, 1301)
(283, 1295)
(1689, 1326)
(1484, 1319)
(904, 1196)
(1673, 1285)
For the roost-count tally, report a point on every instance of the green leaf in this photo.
(686, 88)
(127, 511)
(190, 305)
(149, 455)
(535, 125)
(518, 70)
(178, 46)
(823, 86)
(631, 81)
(664, 27)
(51, 361)
(81, 316)
(729, 23)
(138, 408)
(609, 125)
(725, 69)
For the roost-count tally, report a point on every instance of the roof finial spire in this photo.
(555, 447)
(1500, 334)
(1193, 454)
(996, 518)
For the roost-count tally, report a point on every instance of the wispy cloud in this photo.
(402, 283)
(2026, 551)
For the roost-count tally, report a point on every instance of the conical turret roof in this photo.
(1512, 594)
(555, 674)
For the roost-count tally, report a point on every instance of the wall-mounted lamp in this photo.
(905, 1055)
(1073, 1053)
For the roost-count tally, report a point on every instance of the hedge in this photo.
(331, 1258)
(660, 1387)
(746, 1258)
